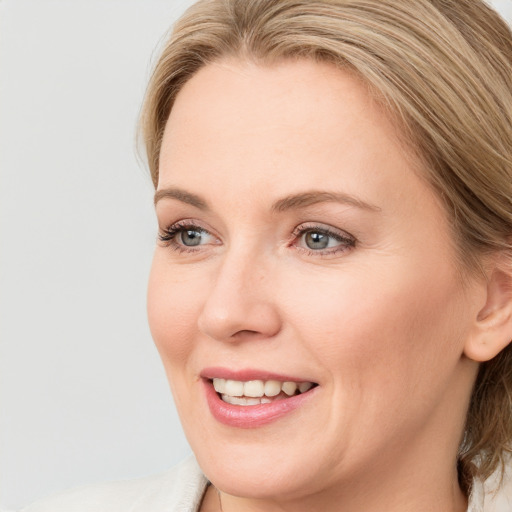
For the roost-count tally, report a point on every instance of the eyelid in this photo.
(323, 228)
(187, 223)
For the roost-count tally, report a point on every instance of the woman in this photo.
(331, 289)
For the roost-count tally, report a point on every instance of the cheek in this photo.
(172, 305)
(374, 325)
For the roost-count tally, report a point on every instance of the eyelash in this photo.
(346, 242)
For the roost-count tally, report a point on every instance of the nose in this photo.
(241, 303)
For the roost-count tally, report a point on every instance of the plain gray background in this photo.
(83, 395)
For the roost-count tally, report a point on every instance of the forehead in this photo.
(246, 105)
(298, 93)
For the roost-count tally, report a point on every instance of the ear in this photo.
(492, 329)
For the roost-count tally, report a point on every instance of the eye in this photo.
(190, 237)
(186, 236)
(321, 240)
(316, 240)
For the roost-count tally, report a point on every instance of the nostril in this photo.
(246, 334)
(234, 316)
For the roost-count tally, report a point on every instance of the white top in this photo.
(180, 490)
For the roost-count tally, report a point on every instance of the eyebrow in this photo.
(305, 199)
(181, 195)
(291, 202)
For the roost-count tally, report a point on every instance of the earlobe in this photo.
(492, 329)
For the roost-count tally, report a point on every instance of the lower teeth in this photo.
(240, 400)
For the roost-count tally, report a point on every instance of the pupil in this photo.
(315, 240)
(191, 237)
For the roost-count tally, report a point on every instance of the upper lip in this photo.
(247, 374)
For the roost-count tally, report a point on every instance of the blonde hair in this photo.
(443, 70)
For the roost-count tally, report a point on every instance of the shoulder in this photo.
(493, 495)
(178, 489)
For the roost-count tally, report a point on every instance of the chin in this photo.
(263, 463)
(256, 476)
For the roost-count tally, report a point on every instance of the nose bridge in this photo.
(239, 299)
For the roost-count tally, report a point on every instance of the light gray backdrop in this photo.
(83, 395)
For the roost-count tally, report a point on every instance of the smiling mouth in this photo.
(258, 392)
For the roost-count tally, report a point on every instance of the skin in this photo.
(380, 322)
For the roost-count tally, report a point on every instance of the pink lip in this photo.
(247, 374)
(251, 416)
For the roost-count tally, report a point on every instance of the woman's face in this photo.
(300, 245)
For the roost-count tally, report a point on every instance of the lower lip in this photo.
(252, 416)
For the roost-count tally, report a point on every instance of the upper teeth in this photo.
(259, 388)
